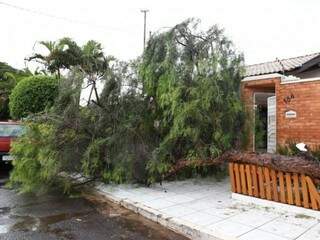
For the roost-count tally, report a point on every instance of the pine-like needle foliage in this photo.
(191, 79)
(180, 101)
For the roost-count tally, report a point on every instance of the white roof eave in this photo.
(262, 77)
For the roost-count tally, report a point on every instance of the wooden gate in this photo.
(269, 184)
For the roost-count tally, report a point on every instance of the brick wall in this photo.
(303, 98)
(306, 103)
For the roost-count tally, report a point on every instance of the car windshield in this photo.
(10, 130)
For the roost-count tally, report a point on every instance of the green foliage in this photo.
(316, 152)
(260, 133)
(179, 102)
(191, 79)
(290, 149)
(7, 83)
(32, 95)
(93, 60)
(63, 54)
(122, 138)
(8, 79)
(67, 54)
(91, 162)
(36, 166)
(5, 68)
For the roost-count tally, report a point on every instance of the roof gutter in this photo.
(263, 77)
(299, 80)
(284, 79)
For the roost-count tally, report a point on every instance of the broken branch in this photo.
(292, 164)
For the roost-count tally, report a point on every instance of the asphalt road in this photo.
(52, 217)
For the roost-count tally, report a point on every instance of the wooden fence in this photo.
(269, 184)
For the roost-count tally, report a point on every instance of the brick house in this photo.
(282, 98)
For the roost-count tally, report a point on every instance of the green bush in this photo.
(36, 165)
(32, 95)
(290, 149)
(9, 77)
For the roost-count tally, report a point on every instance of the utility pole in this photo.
(144, 11)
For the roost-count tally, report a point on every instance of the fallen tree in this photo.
(302, 164)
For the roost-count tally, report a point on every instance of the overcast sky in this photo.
(262, 30)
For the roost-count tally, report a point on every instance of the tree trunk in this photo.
(302, 164)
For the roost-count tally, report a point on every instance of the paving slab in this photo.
(201, 219)
(283, 229)
(204, 209)
(312, 234)
(229, 228)
(254, 217)
(261, 235)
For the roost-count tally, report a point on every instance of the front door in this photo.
(272, 124)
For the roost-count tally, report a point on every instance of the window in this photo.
(10, 130)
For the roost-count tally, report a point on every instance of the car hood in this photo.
(5, 144)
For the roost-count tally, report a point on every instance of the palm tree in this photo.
(94, 64)
(62, 54)
(65, 54)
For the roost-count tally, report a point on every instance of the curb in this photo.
(177, 225)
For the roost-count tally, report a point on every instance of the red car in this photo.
(8, 131)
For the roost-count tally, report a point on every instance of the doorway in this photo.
(262, 137)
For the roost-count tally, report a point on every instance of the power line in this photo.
(61, 18)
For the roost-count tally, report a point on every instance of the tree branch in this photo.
(301, 164)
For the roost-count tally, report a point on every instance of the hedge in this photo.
(32, 94)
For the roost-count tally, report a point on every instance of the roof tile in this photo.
(278, 65)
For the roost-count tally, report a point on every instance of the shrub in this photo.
(290, 149)
(32, 95)
(9, 77)
(36, 165)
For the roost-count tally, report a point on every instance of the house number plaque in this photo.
(291, 114)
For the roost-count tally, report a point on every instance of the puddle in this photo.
(4, 210)
(44, 224)
(29, 223)
(4, 229)
(26, 223)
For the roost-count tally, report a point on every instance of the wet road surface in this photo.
(52, 217)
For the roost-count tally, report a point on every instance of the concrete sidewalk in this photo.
(203, 209)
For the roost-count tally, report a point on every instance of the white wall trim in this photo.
(261, 77)
(284, 79)
(299, 80)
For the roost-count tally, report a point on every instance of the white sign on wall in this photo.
(291, 114)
